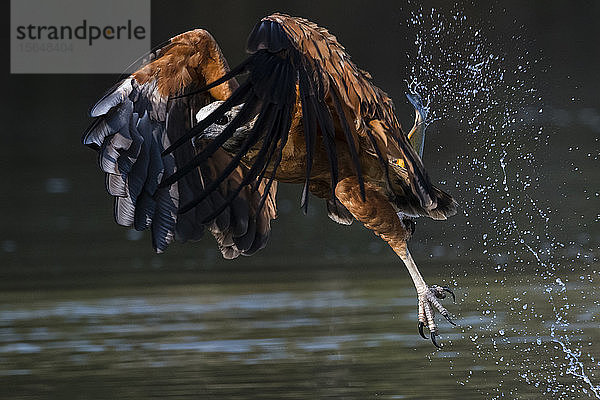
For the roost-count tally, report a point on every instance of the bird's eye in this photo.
(222, 121)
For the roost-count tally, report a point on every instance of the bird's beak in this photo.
(416, 136)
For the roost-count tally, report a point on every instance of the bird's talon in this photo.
(421, 325)
(433, 340)
(428, 304)
(447, 289)
(448, 319)
(437, 291)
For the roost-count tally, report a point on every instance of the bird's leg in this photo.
(427, 298)
(377, 214)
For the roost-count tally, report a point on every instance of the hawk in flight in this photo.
(187, 148)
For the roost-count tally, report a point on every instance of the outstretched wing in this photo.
(146, 112)
(293, 61)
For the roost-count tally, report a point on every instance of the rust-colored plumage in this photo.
(186, 147)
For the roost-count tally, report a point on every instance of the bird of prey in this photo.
(185, 147)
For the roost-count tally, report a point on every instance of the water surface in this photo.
(341, 334)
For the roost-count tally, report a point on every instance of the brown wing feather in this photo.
(376, 129)
(363, 100)
(190, 59)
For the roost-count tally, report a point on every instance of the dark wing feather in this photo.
(142, 116)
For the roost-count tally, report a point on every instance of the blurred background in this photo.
(87, 310)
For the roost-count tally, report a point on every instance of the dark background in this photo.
(56, 219)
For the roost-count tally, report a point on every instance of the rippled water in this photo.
(344, 334)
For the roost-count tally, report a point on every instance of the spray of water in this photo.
(489, 94)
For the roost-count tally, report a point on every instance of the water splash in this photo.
(487, 94)
(576, 367)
